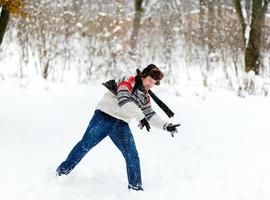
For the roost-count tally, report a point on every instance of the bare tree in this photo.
(46, 34)
(15, 7)
(4, 17)
(252, 54)
(136, 23)
(206, 21)
(252, 50)
(243, 21)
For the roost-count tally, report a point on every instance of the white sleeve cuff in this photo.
(157, 122)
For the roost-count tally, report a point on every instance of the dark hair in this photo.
(154, 72)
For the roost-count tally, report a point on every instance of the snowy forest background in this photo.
(54, 54)
(203, 43)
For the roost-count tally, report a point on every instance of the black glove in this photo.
(171, 128)
(144, 123)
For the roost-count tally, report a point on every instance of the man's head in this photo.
(151, 75)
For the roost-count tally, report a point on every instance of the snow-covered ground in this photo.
(221, 151)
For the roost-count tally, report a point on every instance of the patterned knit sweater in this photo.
(129, 104)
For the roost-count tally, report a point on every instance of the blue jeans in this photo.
(100, 126)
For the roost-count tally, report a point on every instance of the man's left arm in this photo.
(155, 121)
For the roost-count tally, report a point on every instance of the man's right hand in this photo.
(144, 123)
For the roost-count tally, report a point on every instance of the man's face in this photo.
(148, 82)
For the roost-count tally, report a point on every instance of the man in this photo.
(127, 99)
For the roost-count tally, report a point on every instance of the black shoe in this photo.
(58, 173)
(61, 171)
(137, 188)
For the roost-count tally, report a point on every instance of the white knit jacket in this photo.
(128, 105)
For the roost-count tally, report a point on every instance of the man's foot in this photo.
(62, 171)
(137, 188)
(58, 174)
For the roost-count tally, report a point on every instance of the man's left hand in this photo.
(172, 128)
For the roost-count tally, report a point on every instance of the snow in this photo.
(221, 151)
(116, 29)
(102, 14)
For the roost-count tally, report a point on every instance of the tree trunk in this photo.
(45, 72)
(4, 17)
(237, 4)
(136, 23)
(203, 35)
(252, 53)
(211, 27)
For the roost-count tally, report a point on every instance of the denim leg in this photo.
(95, 132)
(123, 139)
